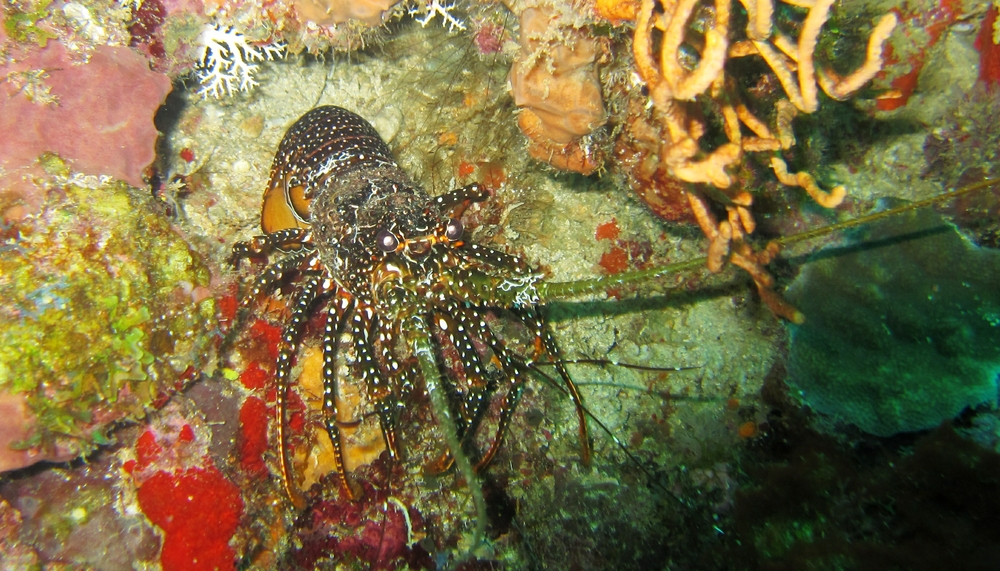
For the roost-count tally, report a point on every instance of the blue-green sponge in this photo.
(902, 327)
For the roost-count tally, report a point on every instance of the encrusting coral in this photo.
(554, 82)
(663, 30)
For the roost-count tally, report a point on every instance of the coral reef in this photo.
(105, 313)
(51, 103)
(810, 502)
(123, 311)
(899, 337)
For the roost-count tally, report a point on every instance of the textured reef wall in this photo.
(613, 136)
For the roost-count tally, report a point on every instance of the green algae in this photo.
(21, 21)
(180, 31)
(98, 318)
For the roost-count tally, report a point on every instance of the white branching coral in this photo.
(224, 63)
(424, 12)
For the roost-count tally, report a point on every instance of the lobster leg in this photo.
(260, 245)
(457, 200)
(363, 327)
(511, 380)
(304, 298)
(581, 413)
(543, 337)
(337, 315)
(275, 272)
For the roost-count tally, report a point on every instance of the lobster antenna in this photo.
(533, 367)
(548, 291)
(950, 195)
(612, 363)
(442, 412)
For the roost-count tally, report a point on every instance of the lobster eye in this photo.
(387, 241)
(454, 229)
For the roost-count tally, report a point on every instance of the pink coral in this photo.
(101, 118)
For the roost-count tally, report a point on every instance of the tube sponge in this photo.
(902, 327)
